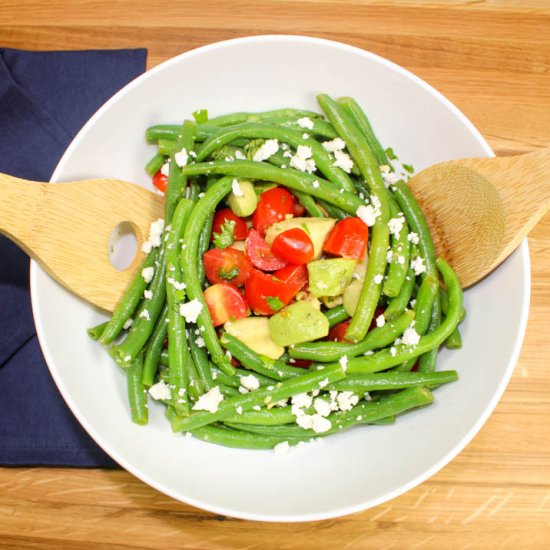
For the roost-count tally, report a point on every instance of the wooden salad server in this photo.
(480, 209)
(67, 227)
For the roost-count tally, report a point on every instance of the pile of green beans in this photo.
(410, 303)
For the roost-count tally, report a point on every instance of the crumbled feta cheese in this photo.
(343, 362)
(305, 122)
(191, 310)
(250, 382)
(165, 168)
(380, 320)
(378, 279)
(367, 214)
(412, 302)
(322, 406)
(160, 391)
(302, 160)
(315, 184)
(302, 400)
(336, 144)
(147, 294)
(145, 315)
(390, 178)
(401, 259)
(323, 383)
(305, 136)
(412, 237)
(128, 358)
(268, 148)
(320, 424)
(282, 448)
(147, 274)
(418, 265)
(209, 401)
(389, 256)
(343, 161)
(146, 247)
(181, 157)
(410, 337)
(236, 188)
(244, 390)
(384, 168)
(347, 400)
(396, 225)
(239, 410)
(239, 155)
(128, 324)
(256, 408)
(393, 351)
(193, 154)
(176, 284)
(200, 342)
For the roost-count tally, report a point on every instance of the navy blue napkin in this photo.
(45, 98)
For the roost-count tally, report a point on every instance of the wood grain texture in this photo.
(492, 59)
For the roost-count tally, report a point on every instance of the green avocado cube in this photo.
(330, 277)
(297, 323)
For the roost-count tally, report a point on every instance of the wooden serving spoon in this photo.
(67, 227)
(478, 211)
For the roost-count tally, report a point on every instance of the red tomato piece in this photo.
(226, 265)
(266, 294)
(225, 303)
(338, 332)
(348, 238)
(301, 363)
(299, 210)
(379, 311)
(260, 254)
(221, 216)
(160, 181)
(273, 206)
(294, 246)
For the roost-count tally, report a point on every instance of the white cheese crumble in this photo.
(322, 406)
(200, 342)
(145, 315)
(282, 448)
(384, 168)
(410, 337)
(191, 310)
(378, 279)
(412, 237)
(239, 155)
(380, 320)
(302, 160)
(209, 401)
(315, 184)
(301, 400)
(128, 324)
(393, 351)
(176, 284)
(239, 410)
(181, 157)
(250, 382)
(401, 259)
(165, 168)
(343, 362)
(305, 122)
(147, 274)
(305, 136)
(389, 256)
(147, 294)
(256, 408)
(336, 144)
(396, 225)
(155, 234)
(347, 400)
(343, 161)
(160, 391)
(418, 265)
(323, 383)
(236, 188)
(268, 148)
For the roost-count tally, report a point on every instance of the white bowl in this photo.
(350, 471)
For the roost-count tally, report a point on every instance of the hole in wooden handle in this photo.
(123, 246)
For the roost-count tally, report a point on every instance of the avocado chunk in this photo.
(353, 290)
(299, 322)
(317, 229)
(254, 332)
(330, 277)
(245, 201)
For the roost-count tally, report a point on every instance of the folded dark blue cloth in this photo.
(45, 98)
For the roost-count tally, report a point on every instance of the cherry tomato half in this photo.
(273, 206)
(260, 254)
(338, 332)
(225, 303)
(226, 265)
(160, 181)
(221, 216)
(266, 294)
(348, 238)
(294, 246)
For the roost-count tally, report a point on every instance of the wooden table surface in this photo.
(492, 59)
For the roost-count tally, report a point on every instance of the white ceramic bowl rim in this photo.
(204, 504)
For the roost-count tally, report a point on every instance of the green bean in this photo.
(365, 412)
(162, 131)
(362, 122)
(320, 127)
(454, 341)
(129, 301)
(204, 243)
(163, 358)
(188, 261)
(398, 305)
(155, 164)
(360, 383)
(202, 364)
(323, 160)
(228, 391)
(195, 387)
(148, 313)
(154, 347)
(364, 158)
(228, 437)
(238, 118)
(275, 369)
(235, 380)
(336, 315)
(270, 394)
(137, 396)
(167, 146)
(178, 352)
(264, 417)
(95, 332)
(398, 354)
(378, 337)
(293, 179)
